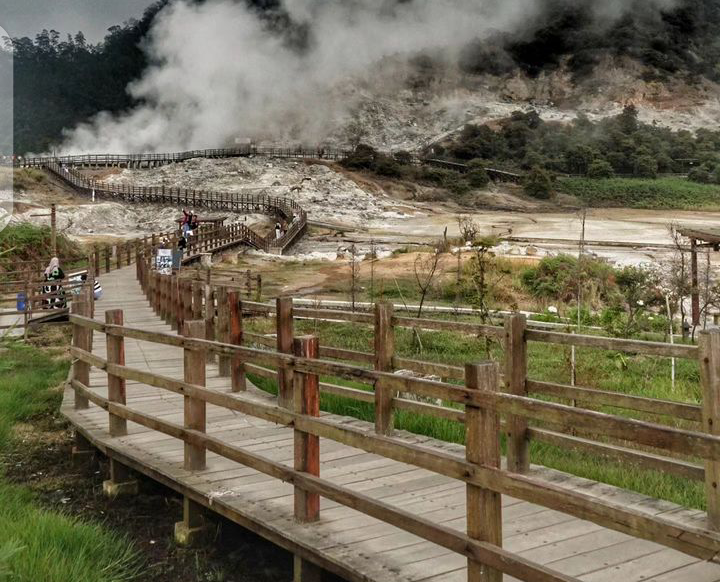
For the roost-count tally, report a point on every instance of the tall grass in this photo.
(602, 369)
(38, 545)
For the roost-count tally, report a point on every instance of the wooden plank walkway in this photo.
(351, 544)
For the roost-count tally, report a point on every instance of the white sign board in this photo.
(163, 261)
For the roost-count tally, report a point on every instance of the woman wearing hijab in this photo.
(54, 273)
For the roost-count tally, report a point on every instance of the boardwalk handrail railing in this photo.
(163, 294)
(684, 536)
(176, 157)
(558, 426)
(283, 208)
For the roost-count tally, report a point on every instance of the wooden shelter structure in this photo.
(699, 238)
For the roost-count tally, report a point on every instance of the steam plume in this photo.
(218, 72)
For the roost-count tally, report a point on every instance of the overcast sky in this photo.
(93, 17)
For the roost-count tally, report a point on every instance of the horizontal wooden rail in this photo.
(677, 440)
(669, 408)
(607, 343)
(616, 344)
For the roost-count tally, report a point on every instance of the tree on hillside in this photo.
(538, 183)
(599, 169)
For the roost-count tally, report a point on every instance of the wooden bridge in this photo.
(366, 501)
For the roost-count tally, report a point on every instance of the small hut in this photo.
(700, 237)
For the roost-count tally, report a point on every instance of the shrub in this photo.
(403, 157)
(478, 178)
(600, 169)
(538, 184)
(362, 158)
(438, 176)
(699, 175)
(645, 167)
(386, 166)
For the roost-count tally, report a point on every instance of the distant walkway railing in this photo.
(151, 160)
(282, 209)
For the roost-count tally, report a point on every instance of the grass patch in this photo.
(27, 242)
(667, 193)
(639, 375)
(37, 545)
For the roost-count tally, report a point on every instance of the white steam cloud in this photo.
(217, 72)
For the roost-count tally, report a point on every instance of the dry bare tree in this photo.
(426, 267)
(469, 229)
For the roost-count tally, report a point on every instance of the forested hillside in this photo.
(62, 80)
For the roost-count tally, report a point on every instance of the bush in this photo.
(538, 184)
(362, 158)
(438, 176)
(403, 157)
(600, 169)
(478, 178)
(386, 166)
(699, 175)
(645, 167)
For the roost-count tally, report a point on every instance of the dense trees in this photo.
(60, 82)
(682, 39)
(615, 145)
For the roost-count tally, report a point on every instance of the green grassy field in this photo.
(37, 545)
(664, 193)
(640, 375)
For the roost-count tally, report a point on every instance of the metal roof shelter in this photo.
(699, 237)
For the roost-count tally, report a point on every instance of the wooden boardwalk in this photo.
(344, 541)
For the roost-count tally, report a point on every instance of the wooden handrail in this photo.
(601, 424)
(693, 540)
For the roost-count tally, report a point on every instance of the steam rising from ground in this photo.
(218, 72)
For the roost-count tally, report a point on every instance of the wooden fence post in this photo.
(284, 335)
(96, 258)
(209, 316)
(235, 324)
(118, 254)
(518, 450)
(222, 331)
(107, 258)
(709, 355)
(306, 396)
(82, 339)
(482, 447)
(162, 291)
(194, 373)
(197, 300)
(116, 385)
(174, 303)
(187, 297)
(384, 337)
(157, 292)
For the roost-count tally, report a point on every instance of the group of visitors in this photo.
(188, 227)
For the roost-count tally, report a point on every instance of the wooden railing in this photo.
(128, 160)
(282, 208)
(580, 426)
(482, 406)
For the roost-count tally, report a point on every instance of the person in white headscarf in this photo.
(53, 271)
(56, 295)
